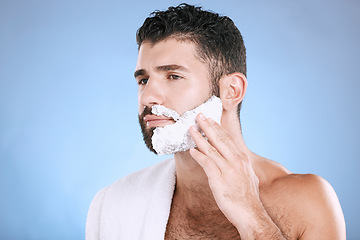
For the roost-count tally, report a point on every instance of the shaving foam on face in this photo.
(160, 110)
(175, 138)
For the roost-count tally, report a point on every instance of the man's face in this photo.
(169, 74)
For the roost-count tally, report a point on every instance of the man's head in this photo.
(184, 54)
(219, 42)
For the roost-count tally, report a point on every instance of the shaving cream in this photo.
(175, 137)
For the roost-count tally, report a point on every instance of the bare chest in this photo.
(185, 224)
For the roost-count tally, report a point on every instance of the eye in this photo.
(143, 81)
(174, 77)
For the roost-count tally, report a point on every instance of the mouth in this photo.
(157, 121)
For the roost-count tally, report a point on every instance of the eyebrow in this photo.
(171, 67)
(162, 68)
(139, 72)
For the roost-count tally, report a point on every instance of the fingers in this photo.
(220, 139)
(218, 153)
(209, 166)
(206, 155)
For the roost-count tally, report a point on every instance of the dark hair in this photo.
(219, 42)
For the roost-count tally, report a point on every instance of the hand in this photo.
(231, 177)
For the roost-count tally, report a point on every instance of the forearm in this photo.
(258, 225)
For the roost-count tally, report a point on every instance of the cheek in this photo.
(140, 106)
(192, 100)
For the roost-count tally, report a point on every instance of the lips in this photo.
(157, 121)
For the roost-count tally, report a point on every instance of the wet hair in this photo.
(218, 41)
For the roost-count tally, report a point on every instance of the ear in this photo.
(232, 90)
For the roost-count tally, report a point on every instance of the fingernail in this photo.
(211, 120)
(194, 128)
(202, 116)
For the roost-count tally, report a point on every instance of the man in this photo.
(219, 189)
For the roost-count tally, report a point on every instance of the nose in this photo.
(152, 93)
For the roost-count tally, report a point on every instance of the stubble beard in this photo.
(147, 132)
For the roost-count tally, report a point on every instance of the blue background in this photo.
(68, 101)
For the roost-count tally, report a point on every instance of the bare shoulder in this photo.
(308, 202)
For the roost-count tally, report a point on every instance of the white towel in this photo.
(134, 207)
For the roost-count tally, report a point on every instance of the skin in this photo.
(223, 190)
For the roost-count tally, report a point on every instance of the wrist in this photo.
(255, 223)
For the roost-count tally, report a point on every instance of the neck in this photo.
(192, 188)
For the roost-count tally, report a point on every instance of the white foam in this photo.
(160, 110)
(175, 138)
